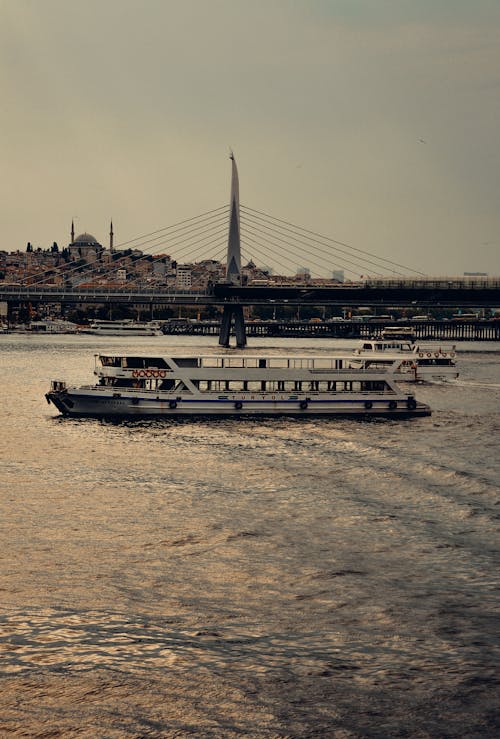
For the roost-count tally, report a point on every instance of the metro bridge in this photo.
(373, 293)
(261, 234)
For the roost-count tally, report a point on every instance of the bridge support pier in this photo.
(229, 312)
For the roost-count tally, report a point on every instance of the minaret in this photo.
(111, 238)
(72, 232)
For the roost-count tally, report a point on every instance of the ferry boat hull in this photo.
(76, 403)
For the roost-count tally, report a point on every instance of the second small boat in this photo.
(408, 361)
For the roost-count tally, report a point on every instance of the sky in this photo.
(373, 122)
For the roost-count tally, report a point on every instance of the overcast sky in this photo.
(374, 122)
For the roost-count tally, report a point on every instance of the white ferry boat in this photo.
(236, 385)
(53, 326)
(408, 361)
(125, 328)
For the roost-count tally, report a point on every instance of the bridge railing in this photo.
(43, 290)
(440, 283)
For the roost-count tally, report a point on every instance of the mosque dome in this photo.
(86, 239)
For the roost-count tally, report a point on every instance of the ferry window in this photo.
(122, 382)
(239, 386)
(367, 346)
(210, 362)
(167, 384)
(253, 387)
(321, 363)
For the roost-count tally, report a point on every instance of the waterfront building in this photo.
(184, 277)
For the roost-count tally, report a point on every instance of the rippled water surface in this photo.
(277, 578)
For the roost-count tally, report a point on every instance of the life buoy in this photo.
(392, 404)
(452, 354)
(368, 404)
(420, 354)
(444, 354)
(172, 404)
(411, 404)
(303, 404)
(238, 405)
(436, 354)
(429, 354)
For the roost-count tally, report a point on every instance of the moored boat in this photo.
(401, 333)
(124, 328)
(53, 326)
(234, 385)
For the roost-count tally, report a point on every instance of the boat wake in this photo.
(470, 383)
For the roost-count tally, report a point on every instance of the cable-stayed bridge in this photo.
(226, 239)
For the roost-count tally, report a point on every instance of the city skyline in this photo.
(376, 128)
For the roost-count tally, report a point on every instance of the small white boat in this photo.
(53, 326)
(125, 328)
(408, 361)
(234, 385)
(398, 333)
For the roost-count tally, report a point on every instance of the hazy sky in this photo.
(375, 122)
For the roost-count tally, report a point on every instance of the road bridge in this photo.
(402, 293)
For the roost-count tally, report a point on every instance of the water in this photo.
(277, 578)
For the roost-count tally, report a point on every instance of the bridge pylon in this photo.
(233, 267)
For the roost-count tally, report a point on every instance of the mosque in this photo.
(85, 246)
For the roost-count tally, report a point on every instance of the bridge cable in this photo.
(329, 239)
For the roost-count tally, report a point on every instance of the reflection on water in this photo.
(266, 578)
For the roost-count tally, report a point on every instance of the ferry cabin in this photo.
(222, 374)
